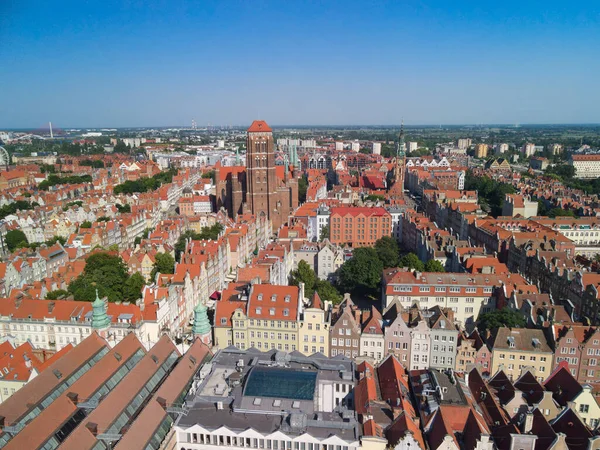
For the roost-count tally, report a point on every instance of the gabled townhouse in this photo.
(569, 394)
(314, 325)
(472, 351)
(372, 342)
(420, 340)
(444, 338)
(397, 333)
(329, 259)
(345, 329)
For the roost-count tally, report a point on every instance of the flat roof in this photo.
(281, 383)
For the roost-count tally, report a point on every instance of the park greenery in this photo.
(55, 180)
(108, 274)
(144, 184)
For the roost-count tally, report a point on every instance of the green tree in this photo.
(86, 224)
(304, 274)
(164, 263)
(55, 295)
(559, 212)
(504, 317)
(302, 188)
(132, 290)
(328, 292)
(413, 262)
(362, 272)
(433, 265)
(123, 208)
(104, 272)
(54, 240)
(206, 233)
(387, 251)
(103, 219)
(15, 239)
(324, 233)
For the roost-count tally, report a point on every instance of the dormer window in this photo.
(286, 312)
(272, 311)
(223, 321)
(273, 297)
(287, 298)
(258, 310)
(259, 297)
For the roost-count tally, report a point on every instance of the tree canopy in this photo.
(144, 184)
(387, 251)
(15, 239)
(433, 265)
(413, 262)
(164, 263)
(302, 188)
(491, 193)
(206, 233)
(54, 180)
(504, 317)
(19, 205)
(362, 272)
(324, 233)
(109, 275)
(305, 274)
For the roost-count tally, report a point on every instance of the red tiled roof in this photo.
(259, 126)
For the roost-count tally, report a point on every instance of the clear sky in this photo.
(114, 63)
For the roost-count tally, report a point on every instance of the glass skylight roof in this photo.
(281, 383)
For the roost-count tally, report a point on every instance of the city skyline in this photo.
(134, 64)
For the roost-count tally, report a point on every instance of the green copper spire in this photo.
(100, 319)
(201, 324)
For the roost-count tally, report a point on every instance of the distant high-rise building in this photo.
(556, 149)
(464, 143)
(339, 146)
(528, 149)
(356, 146)
(481, 150)
(412, 146)
(501, 148)
(377, 148)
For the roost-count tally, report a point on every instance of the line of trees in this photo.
(145, 184)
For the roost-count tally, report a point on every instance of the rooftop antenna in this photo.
(51, 134)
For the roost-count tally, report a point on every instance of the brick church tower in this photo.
(260, 172)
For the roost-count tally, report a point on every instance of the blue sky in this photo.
(119, 63)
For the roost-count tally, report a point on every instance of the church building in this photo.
(261, 186)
